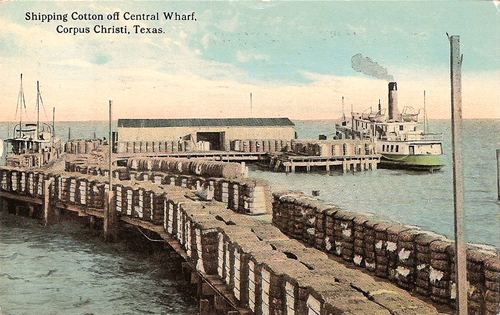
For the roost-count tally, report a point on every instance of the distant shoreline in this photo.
(293, 119)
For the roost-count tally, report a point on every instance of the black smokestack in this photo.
(369, 67)
(393, 101)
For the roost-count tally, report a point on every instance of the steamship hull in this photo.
(412, 162)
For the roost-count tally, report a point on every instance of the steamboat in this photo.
(401, 139)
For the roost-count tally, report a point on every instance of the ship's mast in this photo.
(21, 103)
(343, 113)
(425, 116)
(37, 110)
(53, 126)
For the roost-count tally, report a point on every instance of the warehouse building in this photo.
(219, 133)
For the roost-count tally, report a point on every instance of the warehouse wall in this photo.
(231, 133)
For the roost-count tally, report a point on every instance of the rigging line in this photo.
(17, 105)
(149, 239)
(43, 106)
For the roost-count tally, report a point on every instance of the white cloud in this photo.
(245, 56)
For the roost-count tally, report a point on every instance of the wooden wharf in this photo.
(215, 155)
(293, 162)
(239, 264)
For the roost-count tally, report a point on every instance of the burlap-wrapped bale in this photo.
(406, 268)
(423, 262)
(381, 256)
(492, 284)
(344, 232)
(369, 244)
(440, 271)
(359, 243)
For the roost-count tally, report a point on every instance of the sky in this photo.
(294, 57)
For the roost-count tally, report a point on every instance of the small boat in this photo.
(31, 144)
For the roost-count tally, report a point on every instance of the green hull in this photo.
(417, 162)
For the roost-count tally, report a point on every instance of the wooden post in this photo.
(458, 183)
(92, 222)
(48, 212)
(204, 307)
(31, 212)
(498, 173)
(110, 220)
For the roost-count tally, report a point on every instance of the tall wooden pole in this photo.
(110, 149)
(109, 208)
(498, 173)
(458, 183)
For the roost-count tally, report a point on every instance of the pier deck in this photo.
(292, 162)
(226, 156)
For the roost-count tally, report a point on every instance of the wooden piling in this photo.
(110, 220)
(48, 212)
(204, 307)
(498, 173)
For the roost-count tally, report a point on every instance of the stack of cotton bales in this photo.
(344, 234)
(359, 242)
(406, 269)
(369, 242)
(440, 270)
(381, 253)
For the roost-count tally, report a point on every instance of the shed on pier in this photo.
(219, 132)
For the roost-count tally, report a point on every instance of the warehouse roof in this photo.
(205, 122)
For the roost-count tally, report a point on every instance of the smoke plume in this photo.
(367, 66)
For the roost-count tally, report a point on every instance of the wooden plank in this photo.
(17, 197)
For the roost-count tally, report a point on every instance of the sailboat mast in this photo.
(425, 116)
(21, 102)
(37, 110)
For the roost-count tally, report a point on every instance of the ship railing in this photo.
(415, 137)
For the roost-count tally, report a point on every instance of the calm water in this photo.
(65, 271)
(416, 198)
